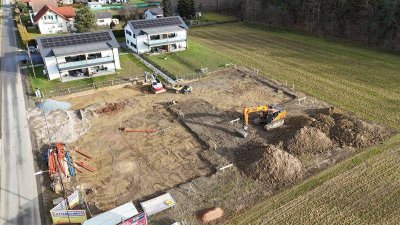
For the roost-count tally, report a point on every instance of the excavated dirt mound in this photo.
(276, 167)
(330, 111)
(298, 121)
(309, 140)
(357, 133)
(348, 130)
(324, 123)
(114, 107)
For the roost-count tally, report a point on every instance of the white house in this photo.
(153, 13)
(168, 34)
(77, 56)
(103, 2)
(53, 20)
(104, 19)
(94, 5)
(66, 2)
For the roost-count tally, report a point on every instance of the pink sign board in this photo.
(139, 219)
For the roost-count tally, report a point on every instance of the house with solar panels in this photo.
(78, 56)
(160, 35)
(53, 20)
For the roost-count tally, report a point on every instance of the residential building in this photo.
(66, 2)
(168, 34)
(78, 56)
(104, 19)
(94, 5)
(53, 20)
(103, 2)
(153, 13)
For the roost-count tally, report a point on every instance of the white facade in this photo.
(82, 64)
(94, 5)
(103, 2)
(106, 22)
(51, 23)
(67, 2)
(164, 41)
(149, 15)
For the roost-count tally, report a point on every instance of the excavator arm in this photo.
(248, 110)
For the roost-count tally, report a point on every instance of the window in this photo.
(44, 17)
(128, 32)
(101, 21)
(56, 16)
(127, 41)
(134, 36)
(133, 45)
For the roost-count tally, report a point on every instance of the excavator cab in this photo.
(271, 115)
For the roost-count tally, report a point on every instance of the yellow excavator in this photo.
(271, 115)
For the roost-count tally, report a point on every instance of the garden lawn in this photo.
(186, 63)
(131, 67)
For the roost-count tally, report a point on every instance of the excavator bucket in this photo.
(274, 124)
(242, 132)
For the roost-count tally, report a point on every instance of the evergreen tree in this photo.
(186, 9)
(167, 8)
(85, 20)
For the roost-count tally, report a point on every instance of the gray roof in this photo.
(76, 43)
(104, 15)
(156, 11)
(139, 26)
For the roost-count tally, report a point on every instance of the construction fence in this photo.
(87, 87)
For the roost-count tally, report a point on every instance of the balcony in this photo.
(164, 41)
(85, 63)
(50, 21)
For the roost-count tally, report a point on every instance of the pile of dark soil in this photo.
(348, 130)
(309, 140)
(276, 167)
(357, 133)
(113, 107)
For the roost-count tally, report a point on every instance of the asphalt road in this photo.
(19, 204)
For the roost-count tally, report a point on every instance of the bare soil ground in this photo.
(196, 139)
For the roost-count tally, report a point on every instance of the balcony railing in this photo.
(85, 63)
(50, 21)
(164, 41)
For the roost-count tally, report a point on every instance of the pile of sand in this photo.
(276, 167)
(309, 140)
(60, 125)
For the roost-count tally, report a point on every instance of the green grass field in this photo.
(129, 64)
(215, 17)
(363, 189)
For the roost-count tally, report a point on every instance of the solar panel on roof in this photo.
(168, 21)
(60, 41)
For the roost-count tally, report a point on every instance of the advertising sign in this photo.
(140, 219)
(68, 216)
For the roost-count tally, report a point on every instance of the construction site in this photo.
(133, 145)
